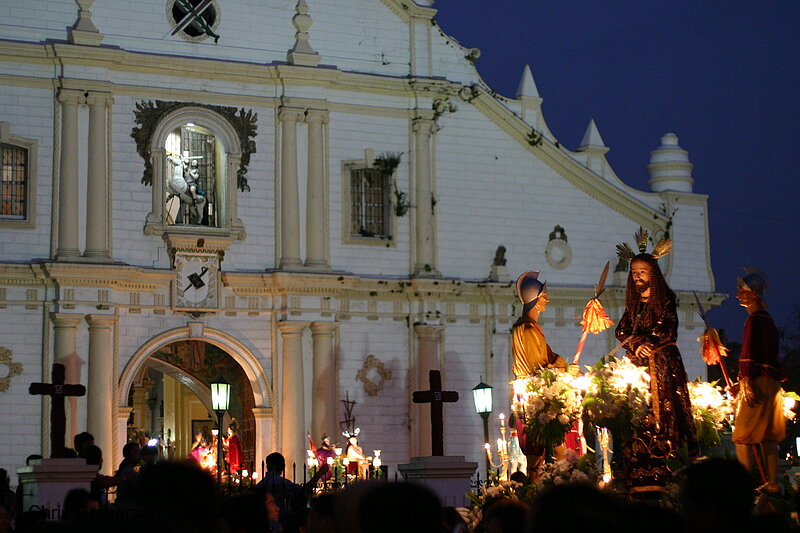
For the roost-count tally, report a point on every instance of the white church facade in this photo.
(310, 207)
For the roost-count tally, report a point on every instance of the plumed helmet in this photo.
(529, 289)
(755, 279)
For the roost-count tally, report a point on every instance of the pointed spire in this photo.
(527, 87)
(592, 139)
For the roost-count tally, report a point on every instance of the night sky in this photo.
(722, 75)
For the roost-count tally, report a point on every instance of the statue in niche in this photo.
(184, 185)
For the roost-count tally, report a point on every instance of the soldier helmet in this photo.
(755, 279)
(529, 289)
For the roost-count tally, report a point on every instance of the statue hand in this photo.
(645, 350)
(574, 370)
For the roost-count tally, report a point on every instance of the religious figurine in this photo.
(325, 452)
(648, 331)
(517, 462)
(183, 183)
(233, 447)
(359, 465)
(532, 353)
(759, 410)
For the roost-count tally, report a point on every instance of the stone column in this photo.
(68, 243)
(97, 200)
(425, 262)
(292, 423)
(315, 193)
(265, 441)
(65, 351)
(323, 402)
(290, 194)
(428, 337)
(139, 405)
(100, 389)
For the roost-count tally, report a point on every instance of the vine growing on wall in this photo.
(387, 163)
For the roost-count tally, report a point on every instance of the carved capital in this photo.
(319, 116)
(428, 331)
(99, 99)
(291, 327)
(290, 114)
(101, 321)
(64, 320)
(423, 125)
(71, 96)
(324, 328)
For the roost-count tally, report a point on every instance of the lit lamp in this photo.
(220, 399)
(482, 395)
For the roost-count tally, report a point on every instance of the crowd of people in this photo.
(713, 494)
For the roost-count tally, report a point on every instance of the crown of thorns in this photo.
(662, 248)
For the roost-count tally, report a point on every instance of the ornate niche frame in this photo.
(234, 129)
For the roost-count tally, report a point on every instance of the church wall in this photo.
(29, 112)
(383, 419)
(350, 135)
(21, 412)
(509, 194)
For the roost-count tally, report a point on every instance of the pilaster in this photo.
(68, 242)
(292, 408)
(65, 351)
(428, 338)
(100, 389)
(289, 189)
(323, 403)
(316, 227)
(97, 197)
(424, 265)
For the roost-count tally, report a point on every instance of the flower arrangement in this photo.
(618, 396)
(711, 411)
(790, 400)
(488, 494)
(549, 405)
(571, 469)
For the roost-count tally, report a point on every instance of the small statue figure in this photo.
(500, 256)
(184, 183)
(517, 462)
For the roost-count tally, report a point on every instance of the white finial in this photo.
(670, 168)
(302, 53)
(527, 87)
(592, 138)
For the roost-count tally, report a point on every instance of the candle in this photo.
(502, 420)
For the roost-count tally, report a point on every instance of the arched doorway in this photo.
(171, 401)
(183, 361)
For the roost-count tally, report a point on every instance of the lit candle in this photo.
(502, 420)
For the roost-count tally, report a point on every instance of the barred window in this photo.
(370, 203)
(14, 182)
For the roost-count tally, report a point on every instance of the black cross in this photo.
(58, 418)
(436, 397)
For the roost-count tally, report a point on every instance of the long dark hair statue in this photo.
(660, 293)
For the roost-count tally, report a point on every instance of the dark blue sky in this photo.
(722, 75)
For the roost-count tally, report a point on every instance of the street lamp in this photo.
(220, 399)
(482, 395)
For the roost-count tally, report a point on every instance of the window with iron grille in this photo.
(370, 203)
(14, 183)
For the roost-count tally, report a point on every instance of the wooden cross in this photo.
(58, 418)
(436, 397)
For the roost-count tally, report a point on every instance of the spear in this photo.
(594, 318)
(711, 348)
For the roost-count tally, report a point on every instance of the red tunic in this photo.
(234, 453)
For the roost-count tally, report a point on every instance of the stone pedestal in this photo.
(499, 273)
(448, 476)
(46, 482)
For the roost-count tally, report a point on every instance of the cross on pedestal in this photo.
(436, 397)
(58, 418)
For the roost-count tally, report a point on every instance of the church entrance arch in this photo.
(182, 362)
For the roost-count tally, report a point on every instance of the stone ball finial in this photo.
(670, 168)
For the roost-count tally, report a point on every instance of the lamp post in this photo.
(482, 395)
(220, 399)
